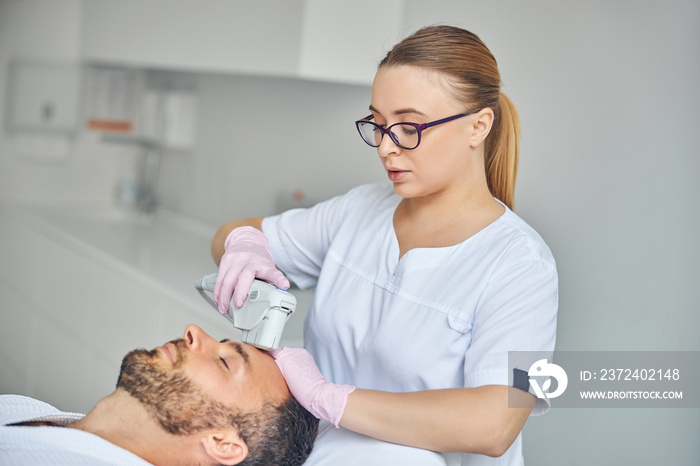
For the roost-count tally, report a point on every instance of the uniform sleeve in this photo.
(300, 238)
(517, 312)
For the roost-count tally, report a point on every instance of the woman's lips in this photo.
(397, 175)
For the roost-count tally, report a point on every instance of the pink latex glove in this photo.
(323, 399)
(247, 256)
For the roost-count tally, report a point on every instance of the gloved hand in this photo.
(247, 256)
(323, 399)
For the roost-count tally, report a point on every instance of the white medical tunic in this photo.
(49, 445)
(437, 318)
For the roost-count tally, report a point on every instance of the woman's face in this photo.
(441, 163)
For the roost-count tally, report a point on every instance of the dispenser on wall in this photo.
(43, 97)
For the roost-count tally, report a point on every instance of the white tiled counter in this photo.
(82, 286)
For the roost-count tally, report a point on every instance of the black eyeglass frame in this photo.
(418, 126)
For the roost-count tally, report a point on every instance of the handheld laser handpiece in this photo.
(263, 315)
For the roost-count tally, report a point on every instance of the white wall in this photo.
(608, 95)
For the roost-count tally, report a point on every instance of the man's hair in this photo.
(281, 435)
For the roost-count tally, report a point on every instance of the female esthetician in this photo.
(423, 285)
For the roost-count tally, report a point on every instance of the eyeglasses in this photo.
(404, 135)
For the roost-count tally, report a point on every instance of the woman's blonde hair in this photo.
(475, 82)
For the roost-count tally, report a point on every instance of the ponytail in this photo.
(502, 151)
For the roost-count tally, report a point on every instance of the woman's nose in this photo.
(387, 147)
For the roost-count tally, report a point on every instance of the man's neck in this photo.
(121, 419)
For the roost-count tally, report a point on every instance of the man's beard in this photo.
(169, 396)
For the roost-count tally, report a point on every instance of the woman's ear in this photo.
(225, 447)
(482, 127)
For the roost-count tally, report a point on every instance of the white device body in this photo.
(263, 315)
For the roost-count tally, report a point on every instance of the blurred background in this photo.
(132, 129)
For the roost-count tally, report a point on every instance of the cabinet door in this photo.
(344, 41)
(256, 37)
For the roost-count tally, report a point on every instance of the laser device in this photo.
(263, 315)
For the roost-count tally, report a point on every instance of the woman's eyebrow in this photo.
(238, 348)
(402, 111)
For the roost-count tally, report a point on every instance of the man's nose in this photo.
(194, 337)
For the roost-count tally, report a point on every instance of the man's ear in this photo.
(225, 447)
(482, 127)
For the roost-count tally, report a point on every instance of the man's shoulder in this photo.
(22, 445)
(62, 446)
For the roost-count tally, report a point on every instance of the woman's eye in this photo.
(224, 362)
(409, 130)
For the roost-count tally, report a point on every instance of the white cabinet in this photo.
(313, 39)
(212, 35)
(344, 41)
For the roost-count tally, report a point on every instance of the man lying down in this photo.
(193, 401)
